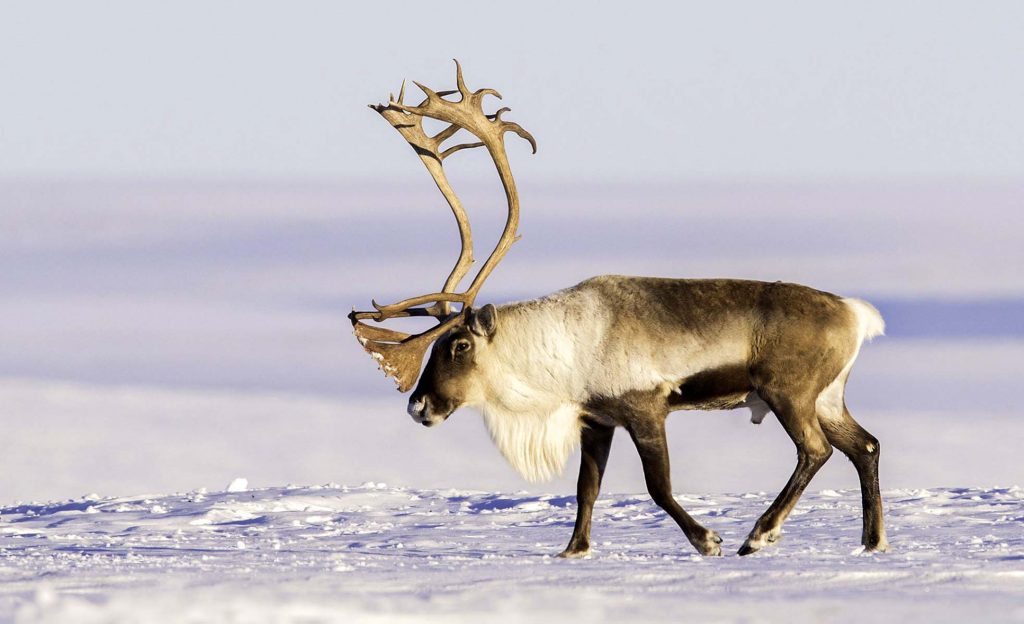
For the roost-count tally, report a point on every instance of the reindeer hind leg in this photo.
(798, 418)
(863, 450)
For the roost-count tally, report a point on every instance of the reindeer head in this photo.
(400, 355)
(450, 378)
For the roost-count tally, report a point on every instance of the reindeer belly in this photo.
(719, 388)
(722, 388)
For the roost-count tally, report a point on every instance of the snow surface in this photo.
(377, 553)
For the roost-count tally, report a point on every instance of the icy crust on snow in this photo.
(374, 553)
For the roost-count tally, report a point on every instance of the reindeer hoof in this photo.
(879, 547)
(710, 547)
(579, 553)
(754, 544)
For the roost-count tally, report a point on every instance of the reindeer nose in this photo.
(417, 408)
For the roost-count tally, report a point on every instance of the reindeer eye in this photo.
(461, 346)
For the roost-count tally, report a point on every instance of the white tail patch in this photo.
(537, 445)
(869, 318)
(870, 324)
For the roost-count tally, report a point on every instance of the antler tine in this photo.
(446, 134)
(496, 116)
(399, 354)
(455, 148)
(460, 82)
(427, 91)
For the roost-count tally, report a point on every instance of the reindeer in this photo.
(570, 368)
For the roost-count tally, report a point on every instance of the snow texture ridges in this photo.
(374, 553)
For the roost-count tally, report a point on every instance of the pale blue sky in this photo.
(663, 91)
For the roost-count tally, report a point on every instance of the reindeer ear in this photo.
(484, 322)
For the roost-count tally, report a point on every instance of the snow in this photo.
(240, 484)
(380, 553)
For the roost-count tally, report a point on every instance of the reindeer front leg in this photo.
(596, 443)
(648, 432)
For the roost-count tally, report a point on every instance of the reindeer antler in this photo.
(399, 354)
